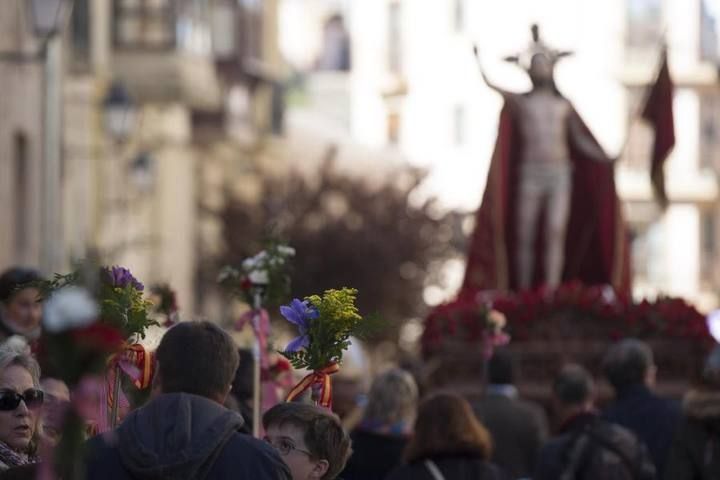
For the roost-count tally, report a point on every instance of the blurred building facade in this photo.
(201, 79)
(21, 141)
(415, 87)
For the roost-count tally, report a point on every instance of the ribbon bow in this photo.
(135, 362)
(319, 379)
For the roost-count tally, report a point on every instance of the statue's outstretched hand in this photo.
(488, 82)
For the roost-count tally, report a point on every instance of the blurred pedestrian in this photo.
(448, 443)
(695, 453)
(631, 370)
(20, 305)
(588, 447)
(518, 427)
(382, 435)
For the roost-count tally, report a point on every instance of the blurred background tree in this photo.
(350, 232)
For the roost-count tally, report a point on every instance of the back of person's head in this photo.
(242, 385)
(627, 363)
(198, 358)
(500, 368)
(711, 369)
(573, 385)
(446, 425)
(392, 399)
(15, 279)
(322, 432)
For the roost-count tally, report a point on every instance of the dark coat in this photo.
(26, 472)
(518, 429)
(374, 455)
(453, 467)
(695, 454)
(595, 449)
(181, 436)
(651, 418)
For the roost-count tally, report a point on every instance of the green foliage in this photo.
(124, 308)
(329, 334)
(121, 306)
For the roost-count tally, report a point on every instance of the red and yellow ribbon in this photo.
(318, 379)
(138, 364)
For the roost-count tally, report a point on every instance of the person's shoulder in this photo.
(102, 457)
(255, 458)
(490, 471)
(242, 442)
(530, 406)
(669, 405)
(406, 471)
(622, 437)
(101, 445)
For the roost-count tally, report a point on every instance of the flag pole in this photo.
(257, 355)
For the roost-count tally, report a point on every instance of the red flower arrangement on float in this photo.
(571, 311)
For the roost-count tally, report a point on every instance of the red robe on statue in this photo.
(596, 246)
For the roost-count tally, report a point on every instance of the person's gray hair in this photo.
(627, 362)
(393, 398)
(17, 352)
(573, 385)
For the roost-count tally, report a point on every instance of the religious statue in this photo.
(550, 212)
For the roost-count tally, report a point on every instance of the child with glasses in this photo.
(310, 440)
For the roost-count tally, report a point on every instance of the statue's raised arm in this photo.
(506, 94)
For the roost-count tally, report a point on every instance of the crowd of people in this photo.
(195, 424)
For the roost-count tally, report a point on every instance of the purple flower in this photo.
(299, 313)
(121, 277)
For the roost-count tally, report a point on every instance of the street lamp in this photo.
(48, 16)
(119, 111)
(48, 19)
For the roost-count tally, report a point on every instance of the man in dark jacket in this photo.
(518, 427)
(630, 369)
(695, 453)
(184, 432)
(589, 448)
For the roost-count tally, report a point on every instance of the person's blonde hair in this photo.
(16, 352)
(393, 398)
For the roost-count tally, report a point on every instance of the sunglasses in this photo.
(10, 400)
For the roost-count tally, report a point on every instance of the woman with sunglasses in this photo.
(20, 402)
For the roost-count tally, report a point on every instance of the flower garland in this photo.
(594, 312)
